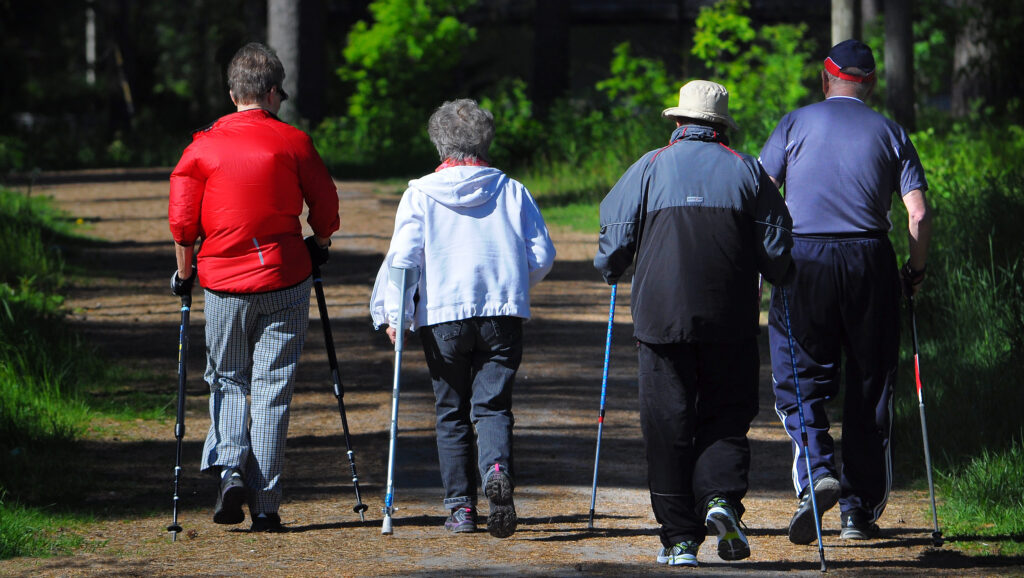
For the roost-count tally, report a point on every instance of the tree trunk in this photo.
(312, 69)
(870, 11)
(283, 37)
(899, 62)
(971, 55)
(844, 20)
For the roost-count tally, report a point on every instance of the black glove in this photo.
(182, 287)
(317, 254)
(910, 279)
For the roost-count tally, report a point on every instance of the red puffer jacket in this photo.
(240, 186)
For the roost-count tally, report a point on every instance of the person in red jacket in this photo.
(239, 189)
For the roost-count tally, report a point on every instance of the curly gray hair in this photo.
(460, 130)
(253, 71)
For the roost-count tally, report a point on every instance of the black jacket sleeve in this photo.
(621, 222)
(774, 229)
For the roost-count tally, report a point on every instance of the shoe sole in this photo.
(803, 528)
(231, 507)
(502, 520)
(732, 545)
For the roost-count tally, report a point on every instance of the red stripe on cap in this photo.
(833, 69)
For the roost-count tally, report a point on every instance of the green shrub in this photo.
(399, 67)
(768, 71)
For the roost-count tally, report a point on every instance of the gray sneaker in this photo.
(722, 521)
(803, 528)
(857, 526)
(682, 554)
(502, 520)
(462, 519)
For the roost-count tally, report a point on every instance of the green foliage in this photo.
(400, 70)
(767, 70)
(518, 133)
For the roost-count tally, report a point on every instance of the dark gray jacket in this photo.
(707, 219)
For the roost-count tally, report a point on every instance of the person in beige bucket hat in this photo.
(703, 100)
(700, 220)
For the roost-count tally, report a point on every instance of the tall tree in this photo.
(283, 37)
(899, 62)
(971, 56)
(844, 20)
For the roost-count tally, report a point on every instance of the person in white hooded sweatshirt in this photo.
(480, 244)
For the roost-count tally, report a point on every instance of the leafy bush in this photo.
(400, 68)
(741, 58)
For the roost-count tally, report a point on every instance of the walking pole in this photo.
(339, 389)
(179, 425)
(403, 279)
(803, 430)
(936, 533)
(600, 415)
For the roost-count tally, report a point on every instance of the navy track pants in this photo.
(844, 308)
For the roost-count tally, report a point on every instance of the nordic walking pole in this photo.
(179, 425)
(600, 415)
(803, 430)
(339, 389)
(403, 279)
(936, 533)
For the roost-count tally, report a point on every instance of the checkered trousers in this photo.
(253, 343)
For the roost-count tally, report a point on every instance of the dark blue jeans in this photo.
(473, 364)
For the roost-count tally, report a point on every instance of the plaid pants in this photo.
(253, 343)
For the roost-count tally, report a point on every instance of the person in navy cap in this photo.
(839, 162)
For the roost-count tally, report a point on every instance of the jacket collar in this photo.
(699, 133)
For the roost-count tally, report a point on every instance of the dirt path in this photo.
(127, 311)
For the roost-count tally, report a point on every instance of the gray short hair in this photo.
(253, 71)
(460, 129)
(862, 89)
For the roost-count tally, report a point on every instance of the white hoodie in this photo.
(479, 242)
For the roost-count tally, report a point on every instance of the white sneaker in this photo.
(682, 554)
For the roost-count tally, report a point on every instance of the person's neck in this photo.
(245, 107)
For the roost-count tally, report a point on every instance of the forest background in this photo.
(576, 88)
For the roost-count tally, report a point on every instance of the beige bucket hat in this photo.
(703, 100)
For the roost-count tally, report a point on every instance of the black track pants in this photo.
(696, 404)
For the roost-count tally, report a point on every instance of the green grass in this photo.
(982, 502)
(583, 217)
(38, 532)
(52, 385)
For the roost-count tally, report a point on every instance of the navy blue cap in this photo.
(851, 53)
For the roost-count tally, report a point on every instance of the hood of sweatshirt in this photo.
(460, 186)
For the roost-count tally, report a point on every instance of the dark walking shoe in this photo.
(856, 526)
(269, 522)
(722, 521)
(462, 519)
(803, 527)
(501, 522)
(230, 499)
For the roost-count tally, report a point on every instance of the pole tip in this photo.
(386, 529)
